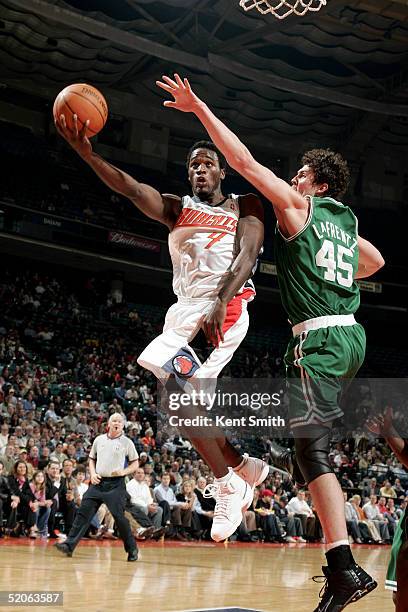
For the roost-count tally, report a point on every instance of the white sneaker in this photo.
(232, 496)
(302, 540)
(290, 539)
(253, 470)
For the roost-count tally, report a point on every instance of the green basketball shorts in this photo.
(319, 362)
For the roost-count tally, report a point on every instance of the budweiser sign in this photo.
(137, 242)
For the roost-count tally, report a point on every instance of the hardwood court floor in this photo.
(175, 576)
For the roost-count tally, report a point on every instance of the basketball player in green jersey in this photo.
(397, 573)
(319, 255)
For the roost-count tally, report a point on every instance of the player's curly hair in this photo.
(207, 144)
(328, 167)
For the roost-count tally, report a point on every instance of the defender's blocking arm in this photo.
(275, 189)
(155, 206)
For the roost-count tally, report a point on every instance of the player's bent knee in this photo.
(312, 451)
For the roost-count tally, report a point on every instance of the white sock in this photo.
(226, 477)
(240, 465)
(335, 544)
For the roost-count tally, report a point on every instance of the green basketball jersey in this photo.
(316, 266)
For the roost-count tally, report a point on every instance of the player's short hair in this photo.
(328, 167)
(207, 144)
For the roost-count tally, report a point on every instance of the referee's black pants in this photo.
(112, 492)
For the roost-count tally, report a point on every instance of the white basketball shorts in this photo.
(170, 352)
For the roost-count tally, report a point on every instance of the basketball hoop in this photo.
(282, 8)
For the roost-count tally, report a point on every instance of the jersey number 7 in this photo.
(215, 237)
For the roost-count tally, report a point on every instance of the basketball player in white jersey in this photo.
(214, 242)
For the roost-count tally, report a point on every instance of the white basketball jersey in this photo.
(202, 246)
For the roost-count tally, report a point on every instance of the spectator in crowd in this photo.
(52, 484)
(40, 505)
(204, 507)
(291, 523)
(372, 529)
(387, 490)
(70, 421)
(68, 496)
(187, 498)
(22, 516)
(299, 507)
(141, 497)
(23, 456)
(354, 528)
(4, 495)
(268, 521)
(34, 457)
(83, 427)
(58, 453)
(398, 488)
(180, 512)
(9, 458)
(382, 507)
(373, 514)
(371, 488)
(4, 434)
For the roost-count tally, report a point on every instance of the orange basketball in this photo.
(84, 101)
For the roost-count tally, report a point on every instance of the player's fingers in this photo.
(220, 332)
(58, 127)
(214, 333)
(165, 86)
(169, 103)
(82, 131)
(178, 80)
(170, 81)
(187, 85)
(63, 122)
(75, 120)
(209, 332)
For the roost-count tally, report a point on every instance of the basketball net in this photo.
(283, 8)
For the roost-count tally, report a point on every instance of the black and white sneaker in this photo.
(343, 587)
(284, 459)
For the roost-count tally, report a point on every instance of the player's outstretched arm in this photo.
(146, 198)
(250, 236)
(236, 153)
(370, 259)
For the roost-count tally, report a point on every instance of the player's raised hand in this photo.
(381, 425)
(185, 99)
(76, 138)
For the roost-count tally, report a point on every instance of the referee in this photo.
(106, 461)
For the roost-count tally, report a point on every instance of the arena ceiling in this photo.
(339, 76)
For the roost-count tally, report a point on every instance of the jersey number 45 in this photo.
(331, 257)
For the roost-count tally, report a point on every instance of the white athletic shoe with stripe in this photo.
(253, 470)
(232, 496)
